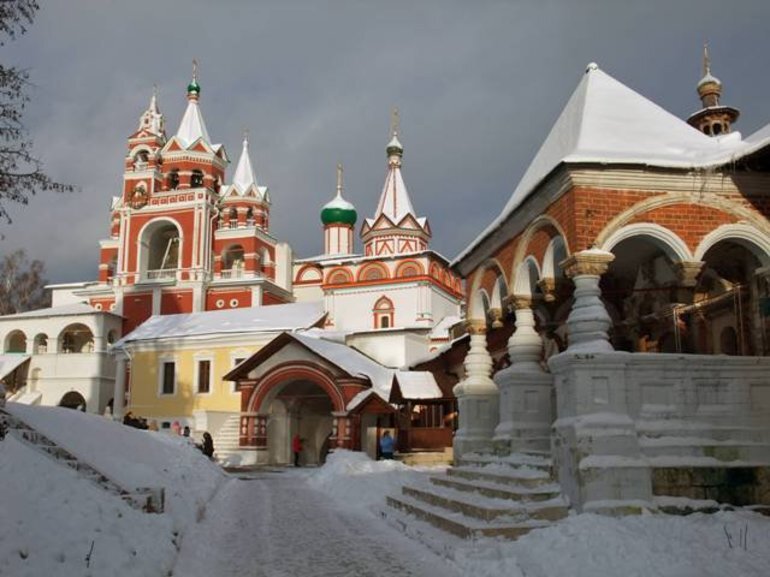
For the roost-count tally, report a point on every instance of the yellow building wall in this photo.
(146, 400)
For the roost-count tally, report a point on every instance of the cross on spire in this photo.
(195, 70)
(339, 179)
(395, 122)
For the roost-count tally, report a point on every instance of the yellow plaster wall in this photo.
(146, 400)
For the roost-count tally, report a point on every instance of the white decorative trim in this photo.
(220, 303)
(741, 232)
(674, 246)
(233, 303)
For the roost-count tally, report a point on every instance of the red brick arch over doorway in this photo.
(295, 371)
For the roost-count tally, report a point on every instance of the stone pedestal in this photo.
(477, 398)
(525, 389)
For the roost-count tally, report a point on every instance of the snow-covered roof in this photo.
(60, 311)
(192, 126)
(414, 385)
(442, 328)
(9, 362)
(607, 122)
(273, 318)
(418, 385)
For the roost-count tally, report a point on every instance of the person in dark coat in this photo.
(208, 445)
(296, 447)
(387, 444)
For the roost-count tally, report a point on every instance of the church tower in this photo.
(396, 228)
(338, 217)
(713, 119)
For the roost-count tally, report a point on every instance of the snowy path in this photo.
(275, 525)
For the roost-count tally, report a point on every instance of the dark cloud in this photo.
(479, 85)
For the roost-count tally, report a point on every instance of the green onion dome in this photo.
(194, 87)
(339, 211)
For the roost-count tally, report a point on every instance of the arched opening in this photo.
(16, 342)
(641, 293)
(160, 249)
(112, 268)
(76, 338)
(233, 216)
(140, 160)
(250, 217)
(729, 316)
(73, 400)
(196, 179)
(41, 344)
(112, 336)
(172, 180)
(232, 262)
(301, 407)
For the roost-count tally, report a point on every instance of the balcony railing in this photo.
(232, 273)
(160, 274)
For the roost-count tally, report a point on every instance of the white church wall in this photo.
(390, 348)
(284, 269)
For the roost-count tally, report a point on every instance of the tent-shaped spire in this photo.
(394, 200)
(192, 126)
(151, 119)
(244, 173)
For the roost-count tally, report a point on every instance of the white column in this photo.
(525, 388)
(588, 322)
(477, 397)
(119, 396)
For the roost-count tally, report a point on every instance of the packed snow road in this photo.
(275, 525)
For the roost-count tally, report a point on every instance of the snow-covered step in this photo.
(514, 461)
(503, 475)
(495, 490)
(459, 524)
(487, 508)
(704, 447)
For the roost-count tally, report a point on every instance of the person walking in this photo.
(387, 444)
(296, 447)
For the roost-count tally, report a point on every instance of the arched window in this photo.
(373, 272)
(232, 262)
(41, 344)
(717, 128)
(339, 276)
(383, 313)
(196, 179)
(160, 243)
(409, 269)
(250, 217)
(76, 338)
(112, 336)
(172, 181)
(73, 400)
(16, 342)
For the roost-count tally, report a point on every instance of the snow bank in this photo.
(358, 483)
(638, 546)
(50, 515)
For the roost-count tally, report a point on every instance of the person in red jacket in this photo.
(296, 447)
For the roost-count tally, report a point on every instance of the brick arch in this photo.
(373, 266)
(295, 371)
(484, 284)
(668, 210)
(754, 240)
(535, 241)
(668, 241)
(405, 267)
(339, 271)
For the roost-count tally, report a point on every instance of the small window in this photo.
(384, 322)
(196, 180)
(204, 376)
(169, 378)
(717, 129)
(173, 179)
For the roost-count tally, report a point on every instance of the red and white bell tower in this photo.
(181, 240)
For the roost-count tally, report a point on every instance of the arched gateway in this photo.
(326, 392)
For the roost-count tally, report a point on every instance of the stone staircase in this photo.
(226, 440)
(146, 499)
(483, 496)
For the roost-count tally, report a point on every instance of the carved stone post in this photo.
(477, 397)
(588, 322)
(525, 389)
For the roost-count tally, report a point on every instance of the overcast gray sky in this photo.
(478, 85)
